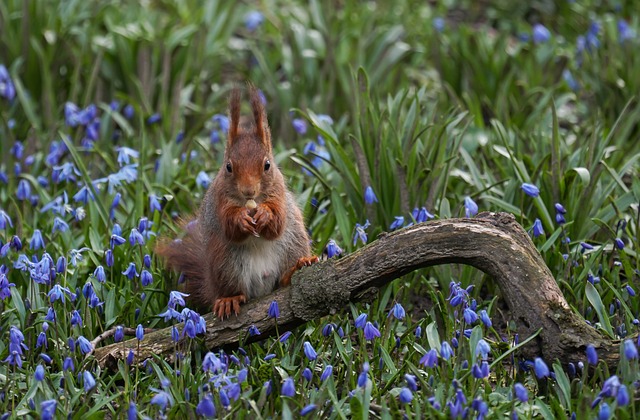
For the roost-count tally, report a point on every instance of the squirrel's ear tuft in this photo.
(234, 113)
(259, 115)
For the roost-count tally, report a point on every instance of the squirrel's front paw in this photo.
(248, 224)
(262, 217)
(222, 307)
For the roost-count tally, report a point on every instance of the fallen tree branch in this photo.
(492, 242)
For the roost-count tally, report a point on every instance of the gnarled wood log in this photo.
(492, 242)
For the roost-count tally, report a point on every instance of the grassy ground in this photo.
(112, 124)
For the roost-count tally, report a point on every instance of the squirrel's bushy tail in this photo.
(185, 255)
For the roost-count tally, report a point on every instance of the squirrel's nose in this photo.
(249, 192)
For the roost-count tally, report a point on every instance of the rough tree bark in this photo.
(492, 242)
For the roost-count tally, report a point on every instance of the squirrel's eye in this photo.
(229, 169)
(267, 165)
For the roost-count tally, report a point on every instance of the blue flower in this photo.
(203, 180)
(7, 88)
(76, 319)
(154, 204)
(135, 237)
(307, 374)
(146, 278)
(480, 371)
(328, 329)
(619, 243)
(108, 257)
(85, 345)
(119, 334)
(253, 20)
(630, 350)
(397, 311)
(308, 409)
(190, 329)
(332, 249)
(624, 31)
(131, 271)
(623, 396)
(370, 331)
(68, 364)
(284, 337)
(299, 125)
(438, 24)
(5, 220)
(211, 363)
(116, 240)
(5, 286)
(484, 317)
(140, 332)
(360, 233)
(99, 274)
(23, 191)
(89, 381)
(362, 378)
(540, 34)
(411, 382)
(58, 292)
(36, 242)
(605, 412)
(360, 321)
(309, 351)
(253, 330)
(370, 196)
(483, 348)
(422, 215)
(540, 368)
(154, 118)
(176, 298)
(398, 222)
(161, 399)
(288, 388)
(125, 154)
(61, 265)
(470, 316)
(592, 355)
(537, 228)
(405, 395)
(585, 246)
(328, 370)
(39, 373)
(610, 387)
(146, 260)
(205, 407)
(274, 310)
(48, 409)
(570, 80)
(521, 392)
(530, 189)
(445, 350)
(430, 359)
(470, 207)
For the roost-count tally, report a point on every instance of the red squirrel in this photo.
(249, 234)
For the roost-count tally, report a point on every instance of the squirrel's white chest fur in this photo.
(259, 266)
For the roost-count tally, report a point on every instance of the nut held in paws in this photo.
(251, 204)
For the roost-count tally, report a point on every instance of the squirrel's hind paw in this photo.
(222, 307)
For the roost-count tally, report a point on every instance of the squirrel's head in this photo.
(248, 160)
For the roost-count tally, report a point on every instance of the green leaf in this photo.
(594, 299)
(563, 384)
(432, 336)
